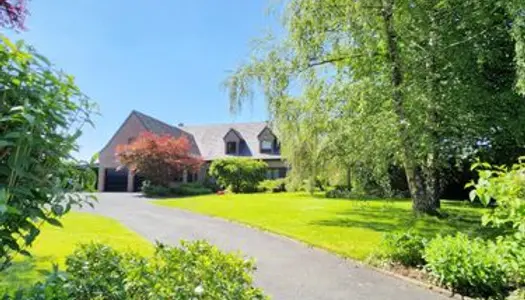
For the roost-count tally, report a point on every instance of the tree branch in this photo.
(316, 62)
(465, 40)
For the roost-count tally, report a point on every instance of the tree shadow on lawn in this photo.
(25, 272)
(388, 218)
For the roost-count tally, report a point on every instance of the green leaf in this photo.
(42, 59)
(54, 222)
(4, 143)
(472, 195)
(9, 44)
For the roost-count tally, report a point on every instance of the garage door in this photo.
(116, 181)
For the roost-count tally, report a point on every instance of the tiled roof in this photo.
(208, 139)
(158, 127)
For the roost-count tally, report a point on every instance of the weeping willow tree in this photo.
(420, 83)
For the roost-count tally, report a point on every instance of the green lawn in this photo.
(54, 244)
(352, 228)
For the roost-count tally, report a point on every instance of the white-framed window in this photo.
(266, 146)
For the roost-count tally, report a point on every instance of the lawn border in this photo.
(425, 285)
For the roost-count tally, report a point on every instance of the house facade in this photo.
(252, 140)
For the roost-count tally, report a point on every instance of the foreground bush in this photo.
(240, 175)
(42, 114)
(471, 267)
(402, 248)
(272, 186)
(195, 270)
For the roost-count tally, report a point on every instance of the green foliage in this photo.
(241, 175)
(507, 187)
(191, 189)
(340, 192)
(42, 113)
(152, 190)
(272, 186)
(194, 270)
(96, 270)
(404, 248)
(471, 267)
(184, 189)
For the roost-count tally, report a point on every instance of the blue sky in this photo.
(165, 58)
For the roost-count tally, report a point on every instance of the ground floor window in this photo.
(274, 173)
(192, 177)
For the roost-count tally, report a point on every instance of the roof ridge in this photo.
(141, 115)
(223, 124)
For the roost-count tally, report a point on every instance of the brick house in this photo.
(253, 140)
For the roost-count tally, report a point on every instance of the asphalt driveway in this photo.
(287, 269)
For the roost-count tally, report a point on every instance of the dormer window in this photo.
(266, 146)
(267, 141)
(231, 147)
(232, 142)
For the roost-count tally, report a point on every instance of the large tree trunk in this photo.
(349, 177)
(415, 177)
(432, 173)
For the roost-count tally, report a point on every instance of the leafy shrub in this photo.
(240, 175)
(514, 260)
(151, 190)
(339, 192)
(190, 189)
(211, 184)
(185, 189)
(96, 270)
(507, 187)
(272, 186)
(195, 270)
(42, 113)
(405, 248)
(471, 267)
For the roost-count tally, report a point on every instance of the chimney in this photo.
(181, 125)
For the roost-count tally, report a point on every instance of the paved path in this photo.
(287, 269)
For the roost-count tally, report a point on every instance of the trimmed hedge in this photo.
(185, 189)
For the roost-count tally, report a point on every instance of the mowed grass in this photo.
(351, 228)
(55, 243)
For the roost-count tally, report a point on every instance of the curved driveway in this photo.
(286, 269)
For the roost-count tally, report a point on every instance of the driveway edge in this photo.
(425, 285)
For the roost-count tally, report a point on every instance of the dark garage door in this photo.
(116, 181)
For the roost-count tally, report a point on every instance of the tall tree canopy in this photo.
(419, 83)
